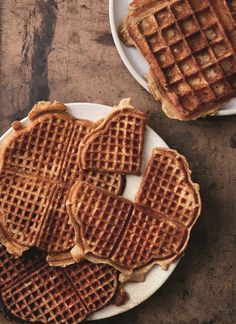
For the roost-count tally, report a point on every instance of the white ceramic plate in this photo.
(133, 60)
(138, 292)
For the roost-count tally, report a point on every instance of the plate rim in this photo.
(118, 310)
(131, 69)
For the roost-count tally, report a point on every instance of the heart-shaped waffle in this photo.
(39, 162)
(134, 237)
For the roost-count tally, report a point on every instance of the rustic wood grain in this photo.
(64, 50)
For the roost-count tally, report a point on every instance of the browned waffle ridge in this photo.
(190, 48)
(134, 237)
(39, 163)
(226, 10)
(33, 291)
(116, 144)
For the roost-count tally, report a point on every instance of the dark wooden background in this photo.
(64, 50)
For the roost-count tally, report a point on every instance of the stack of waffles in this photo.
(190, 46)
(38, 165)
(68, 236)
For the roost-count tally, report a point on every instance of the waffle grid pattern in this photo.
(127, 234)
(39, 166)
(100, 212)
(94, 283)
(45, 295)
(56, 224)
(164, 190)
(192, 51)
(71, 170)
(11, 268)
(107, 181)
(33, 291)
(40, 151)
(24, 200)
(148, 238)
(70, 167)
(118, 147)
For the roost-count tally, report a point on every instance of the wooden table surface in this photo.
(63, 50)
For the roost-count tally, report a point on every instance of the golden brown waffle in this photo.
(134, 237)
(167, 187)
(39, 148)
(116, 144)
(24, 203)
(34, 292)
(39, 163)
(149, 238)
(191, 57)
(99, 215)
(11, 269)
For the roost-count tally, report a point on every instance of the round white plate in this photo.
(133, 60)
(138, 292)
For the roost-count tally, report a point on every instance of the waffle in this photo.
(149, 238)
(101, 217)
(167, 188)
(11, 269)
(133, 237)
(190, 48)
(33, 291)
(116, 144)
(39, 163)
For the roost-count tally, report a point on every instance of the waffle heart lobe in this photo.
(34, 292)
(167, 188)
(116, 144)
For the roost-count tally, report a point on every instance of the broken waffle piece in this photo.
(98, 219)
(167, 188)
(134, 237)
(38, 166)
(33, 291)
(190, 48)
(116, 144)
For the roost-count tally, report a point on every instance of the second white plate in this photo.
(133, 60)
